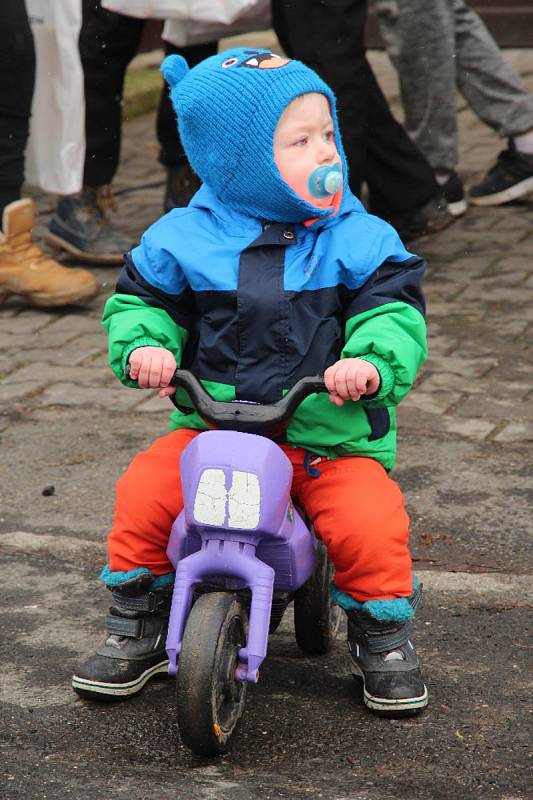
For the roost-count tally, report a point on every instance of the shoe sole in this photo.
(89, 258)
(499, 198)
(45, 300)
(100, 690)
(403, 706)
(458, 208)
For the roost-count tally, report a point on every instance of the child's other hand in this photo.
(349, 379)
(152, 368)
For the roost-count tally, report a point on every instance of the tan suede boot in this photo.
(27, 271)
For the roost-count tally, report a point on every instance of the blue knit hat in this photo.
(228, 107)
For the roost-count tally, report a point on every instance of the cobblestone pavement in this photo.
(68, 429)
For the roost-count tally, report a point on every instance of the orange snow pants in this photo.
(356, 510)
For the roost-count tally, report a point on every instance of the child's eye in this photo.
(329, 136)
(301, 142)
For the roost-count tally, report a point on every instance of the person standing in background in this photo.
(25, 269)
(81, 223)
(330, 38)
(443, 46)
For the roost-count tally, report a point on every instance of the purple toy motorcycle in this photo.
(242, 553)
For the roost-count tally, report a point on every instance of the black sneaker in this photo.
(430, 218)
(182, 184)
(81, 226)
(510, 177)
(454, 193)
(134, 650)
(384, 656)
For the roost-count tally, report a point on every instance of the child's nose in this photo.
(326, 152)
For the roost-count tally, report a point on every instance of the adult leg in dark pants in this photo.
(17, 77)
(329, 37)
(25, 270)
(81, 224)
(108, 43)
(182, 183)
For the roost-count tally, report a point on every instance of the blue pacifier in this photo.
(326, 180)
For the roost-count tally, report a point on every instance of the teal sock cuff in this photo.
(399, 609)
(117, 578)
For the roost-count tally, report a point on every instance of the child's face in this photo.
(304, 140)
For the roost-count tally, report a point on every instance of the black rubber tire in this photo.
(210, 701)
(316, 619)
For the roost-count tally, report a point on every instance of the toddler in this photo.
(273, 272)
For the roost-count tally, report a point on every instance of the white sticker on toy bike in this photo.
(238, 507)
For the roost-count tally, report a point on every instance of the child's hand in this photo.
(349, 379)
(153, 367)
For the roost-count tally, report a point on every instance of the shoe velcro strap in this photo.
(143, 603)
(122, 626)
(135, 628)
(383, 642)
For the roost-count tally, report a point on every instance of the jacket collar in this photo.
(238, 224)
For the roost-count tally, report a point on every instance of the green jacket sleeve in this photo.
(385, 325)
(132, 323)
(393, 338)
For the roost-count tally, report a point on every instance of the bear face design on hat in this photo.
(228, 107)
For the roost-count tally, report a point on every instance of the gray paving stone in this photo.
(430, 402)
(155, 405)
(109, 399)
(74, 323)
(24, 324)
(457, 365)
(66, 355)
(441, 345)
(516, 432)
(498, 294)
(431, 424)
(45, 338)
(85, 376)
(506, 409)
(436, 382)
(437, 308)
(448, 381)
(17, 391)
(471, 266)
(471, 428)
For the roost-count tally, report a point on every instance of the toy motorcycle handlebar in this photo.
(245, 416)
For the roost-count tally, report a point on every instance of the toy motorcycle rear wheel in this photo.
(210, 700)
(316, 619)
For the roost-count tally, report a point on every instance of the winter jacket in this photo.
(251, 307)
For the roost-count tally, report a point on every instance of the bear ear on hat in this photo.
(174, 68)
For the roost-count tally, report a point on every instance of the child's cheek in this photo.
(298, 180)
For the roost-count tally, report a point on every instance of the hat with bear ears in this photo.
(228, 107)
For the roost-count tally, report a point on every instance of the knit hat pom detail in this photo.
(174, 68)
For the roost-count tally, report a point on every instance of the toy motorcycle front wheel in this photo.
(210, 700)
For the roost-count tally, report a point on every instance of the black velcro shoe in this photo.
(384, 656)
(133, 652)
